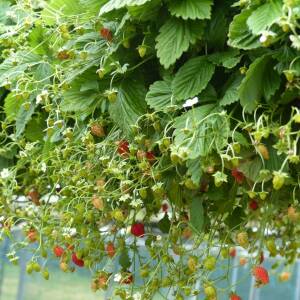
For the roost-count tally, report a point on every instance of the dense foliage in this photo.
(172, 124)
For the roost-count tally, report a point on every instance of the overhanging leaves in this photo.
(261, 80)
(160, 96)
(191, 9)
(130, 104)
(192, 77)
(201, 130)
(197, 214)
(117, 4)
(264, 16)
(239, 33)
(174, 38)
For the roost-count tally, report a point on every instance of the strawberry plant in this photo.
(166, 124)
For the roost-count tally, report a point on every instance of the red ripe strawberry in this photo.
(261, 275)
(128, 278)
(77, 261)
(253, 205)
(106, 34)
(110, 249)
(34, 196)
(235, 297)
(138, 229)
(58, 251)
(123, 147)
(150, 156)
(238, 175)
(32, 235)
(261, 258)
(70, 247)
(165, 207)
(232, 252)
(102, 281)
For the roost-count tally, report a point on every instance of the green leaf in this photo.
(239, 33)
(191, 9)
(174, 190)
(236, 217)
(251, 168)
(264, 16)
(192, 77)
(77, 101)
(117, 4)
(240, 138)
(160, 96)
(4, 8)
(145, 12)
(39, 41)
(261, 80)
(130, 104)
(5, 163)
(228, 59)
(174, 38)
(23, 117)
(194, 170)
(124, 259)
(209, 94)
(217, 29)
(231, 94)
(56, 9)
(15, 65)
(164, 224)
(34, 129)
(205, 133)
(43, 74)
(197, 214)
(275, 161)
(11, 107)
(83, 94)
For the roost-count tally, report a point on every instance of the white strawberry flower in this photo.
(117, 277)
(190, 102)
(137, 296)
(5, 173)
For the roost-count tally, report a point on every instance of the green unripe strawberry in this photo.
(166, 282)
(278, 180)
(192, 263)
(142, 49)
(242, 239)
(112, 95)
(101, 73)
(296, 118)
(26, 106)
(251, 194)
(29, 268)
(143, 193)
(263, 195)
(126, 43)
(36, 267)
(210, 291)
(175, 158)
(210, 263)
(225, 253)
(219, 178)
(118, 215)
(271, 246)
(179, 297)
(236, 147)
(189, 184)
(144, 272)
(45, 274)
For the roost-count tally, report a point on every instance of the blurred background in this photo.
(16, 284)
